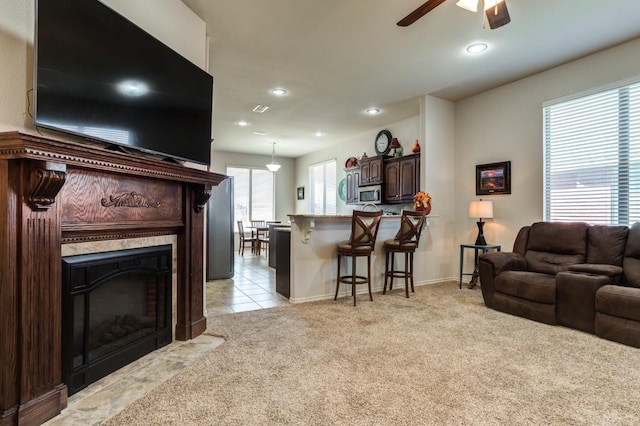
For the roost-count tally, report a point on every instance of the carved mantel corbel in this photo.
(202, 195)
(48, 182)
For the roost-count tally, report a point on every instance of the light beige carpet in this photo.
(440, 357)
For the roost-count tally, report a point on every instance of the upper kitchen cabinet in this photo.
(371, 170)
(401, 178)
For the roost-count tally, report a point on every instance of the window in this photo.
(592, 157)
(253, 193)
(322, 183)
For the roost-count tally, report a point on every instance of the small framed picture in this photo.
(300, 192)
(494, 178)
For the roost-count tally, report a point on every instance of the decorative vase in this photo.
(415, 148)
(424, 209)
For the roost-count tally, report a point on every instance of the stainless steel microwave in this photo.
(370, 194)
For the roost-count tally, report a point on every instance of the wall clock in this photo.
(382, 144)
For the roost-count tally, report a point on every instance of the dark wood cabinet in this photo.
(353, 181)
(283, 261)
(402, 178)
(371, 170)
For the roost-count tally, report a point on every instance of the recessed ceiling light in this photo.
(242, 123)
(372, 111)
(475, 48)
(318, 134)
(259, 133)
(279, 91)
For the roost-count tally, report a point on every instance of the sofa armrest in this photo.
(493, 263)
(504, 261)
(612, 271)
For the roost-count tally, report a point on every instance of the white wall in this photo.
(435, 255)
(406, 131)
(506, 124)
(16, 63)
(171, 22)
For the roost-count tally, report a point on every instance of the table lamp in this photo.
(481, 209)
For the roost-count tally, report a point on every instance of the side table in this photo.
(477, 248)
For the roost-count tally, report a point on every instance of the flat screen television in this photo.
(101, 77)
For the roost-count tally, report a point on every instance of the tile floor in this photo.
(251, 288)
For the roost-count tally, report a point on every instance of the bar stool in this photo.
(406, 241)
(364, 230)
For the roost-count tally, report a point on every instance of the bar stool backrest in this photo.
(364, 228)
(411, 224)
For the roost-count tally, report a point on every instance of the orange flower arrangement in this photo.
(421, 199)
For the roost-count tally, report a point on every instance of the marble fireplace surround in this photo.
(63, 196)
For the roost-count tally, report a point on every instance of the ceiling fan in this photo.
(495, 11)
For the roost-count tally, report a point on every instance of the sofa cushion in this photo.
(542, 312)
(631, 262)
(527, 285)
(618, 301)
(550, 263)
(552, 247)
(606, 244)
(618, 329)
(558, 237)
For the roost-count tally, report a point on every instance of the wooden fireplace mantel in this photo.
(60, 192)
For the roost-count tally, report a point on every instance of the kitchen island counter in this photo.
(313, 254)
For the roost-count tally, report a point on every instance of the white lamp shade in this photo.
(481, 209)
(273, 167)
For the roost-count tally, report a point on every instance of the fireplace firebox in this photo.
(116, 308)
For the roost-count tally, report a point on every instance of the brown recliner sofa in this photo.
(581, 276)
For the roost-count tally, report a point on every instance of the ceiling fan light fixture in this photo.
(470, 5)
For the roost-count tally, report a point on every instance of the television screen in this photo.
(100, 76)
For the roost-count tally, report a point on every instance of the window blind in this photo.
(592, 157)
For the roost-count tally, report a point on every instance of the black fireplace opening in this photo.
(116, 308)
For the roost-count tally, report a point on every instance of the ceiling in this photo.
(336, 58)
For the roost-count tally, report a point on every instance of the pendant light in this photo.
(273, 166)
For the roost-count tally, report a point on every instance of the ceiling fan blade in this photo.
(498, 15)
(419, 12)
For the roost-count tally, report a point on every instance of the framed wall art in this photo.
(493, 178)
(300, 192)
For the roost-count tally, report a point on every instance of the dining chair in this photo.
(244, 240)
(361, 243)
(258, 230)
(263, 237)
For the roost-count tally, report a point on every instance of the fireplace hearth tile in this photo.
(111, 394)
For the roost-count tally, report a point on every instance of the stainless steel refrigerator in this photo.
(220, 231)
